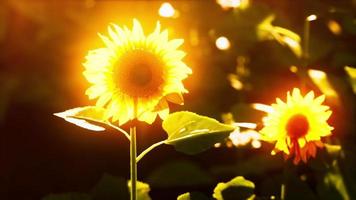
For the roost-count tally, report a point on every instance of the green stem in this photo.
(284, 183)
(305, 53)
(120, 130)
(283, 191)
(133, 164)
(306, 38)
(148, 150)
(133, 154)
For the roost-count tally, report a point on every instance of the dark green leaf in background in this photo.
(237, 189)
(178, 174)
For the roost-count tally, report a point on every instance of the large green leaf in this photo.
(68, 196)
(191, 133)
(142, 190)
(86, 117)
(237, 189)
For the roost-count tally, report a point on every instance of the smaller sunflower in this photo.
(297, 125)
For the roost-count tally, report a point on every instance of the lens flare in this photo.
(222, 43)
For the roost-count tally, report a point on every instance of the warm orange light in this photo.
(312, 18)
(334, 27)
(135, 75)
(293, 69)
(256, 144)
(222, 43)
(243, 138)
(167, 10)
(262, 107)
(226, 4)
(235, 82)
(246, 125)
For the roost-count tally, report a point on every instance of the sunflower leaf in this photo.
(192, 133)
(286, 37)
(89, 117)
(237, 189)
(142, 190)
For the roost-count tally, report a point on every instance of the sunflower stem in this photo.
(306, 38)
(133, 154)
(283, 191)
(284, 183)
(133, 164)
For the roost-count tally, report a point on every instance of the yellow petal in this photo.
(148, 117)
(176, 98)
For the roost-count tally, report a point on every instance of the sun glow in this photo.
(167, 10)
(222, 43)
(135, 75)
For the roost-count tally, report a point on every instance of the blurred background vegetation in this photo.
(43, 44)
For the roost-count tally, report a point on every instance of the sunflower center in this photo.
(297, 126)
(139, 73)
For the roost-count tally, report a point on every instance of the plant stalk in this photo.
(283, 191)
(133, 154)
(284, 183)
(133, 164)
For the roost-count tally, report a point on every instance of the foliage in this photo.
(191, 133)
(41, 73)
(179, 174)
(236, 189)
(108, 188)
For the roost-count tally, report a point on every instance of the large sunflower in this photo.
(298, 125)
(135, 75)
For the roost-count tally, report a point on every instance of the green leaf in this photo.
(86, 117)
(333, 185)
(185, 196)
(142, 190)
(237, 189)
(192, 196)
(191, 133)
(179, 174)
(352, 73)
(266, 31)
(68, 196)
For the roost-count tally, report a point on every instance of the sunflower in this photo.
(298, 125)
(134, 75)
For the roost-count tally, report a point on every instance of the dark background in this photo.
(43, 44)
